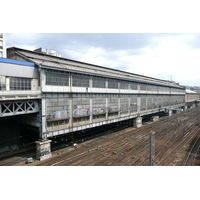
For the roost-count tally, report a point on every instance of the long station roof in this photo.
(52, 62)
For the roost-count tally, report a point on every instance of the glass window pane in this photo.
(20, 83)
(53, 78)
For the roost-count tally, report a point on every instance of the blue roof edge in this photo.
(18, 62)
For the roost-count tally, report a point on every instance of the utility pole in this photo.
(152, 148)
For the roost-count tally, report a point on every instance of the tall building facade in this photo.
(3, 45)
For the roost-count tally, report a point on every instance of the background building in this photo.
(3, 45)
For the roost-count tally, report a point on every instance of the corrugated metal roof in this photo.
(63, 63)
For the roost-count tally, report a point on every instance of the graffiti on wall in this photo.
(43, 152)
(58, 114)
(13, 147)
(82, 110)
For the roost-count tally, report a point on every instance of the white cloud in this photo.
(155, 55)
(171, 57)
(95, 55)
(22, 40)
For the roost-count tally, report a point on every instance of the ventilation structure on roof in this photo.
(48, 51)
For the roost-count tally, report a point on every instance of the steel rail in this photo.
(157, 150)
(189, 158)
(186, 140)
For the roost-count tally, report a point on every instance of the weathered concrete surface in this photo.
(137, 122)
(43, 150)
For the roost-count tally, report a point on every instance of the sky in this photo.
(168, 56)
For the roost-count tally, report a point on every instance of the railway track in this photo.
(193, 153)
(130, 147)
(175, 136)
(18, 158)
(57, 147)
(169, 157)
(165, 141)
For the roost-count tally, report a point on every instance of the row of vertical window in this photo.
(58, 108)
(57, 79)
(58, 114)
(16, 83)
(79, 80)
(20, 83)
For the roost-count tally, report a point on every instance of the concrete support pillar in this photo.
(154, 118)
(107, 108)
(129, 105)
(42, 79)
(137, 122)
(70, 113)
(184, 108)
(44, 123)
(70, 83)
(7, 83)
(91, 110)
(43, 150)
(170, 112)
(119, 107)
(34, 84)
(179, 111)
(90, 82)
(138, 104)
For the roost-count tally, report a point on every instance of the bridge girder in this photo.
(12, 108)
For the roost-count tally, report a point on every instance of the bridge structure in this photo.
(60, 96)
(19, 92)
(19, 99)
(10, 108)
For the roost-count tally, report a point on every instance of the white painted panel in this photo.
(8, 69)
(49, 88)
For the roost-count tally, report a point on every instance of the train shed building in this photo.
(77, 95)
